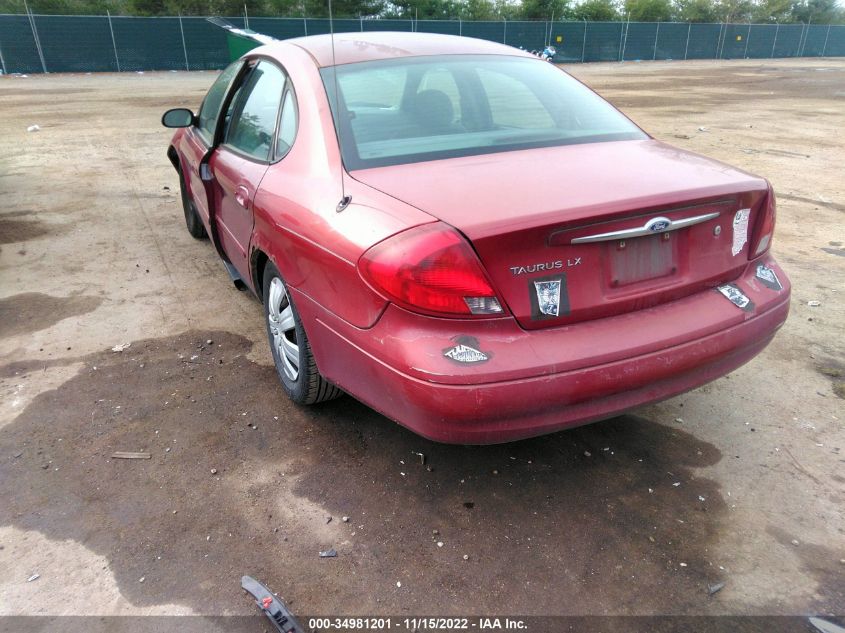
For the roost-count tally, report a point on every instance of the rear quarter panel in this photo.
(315, 247)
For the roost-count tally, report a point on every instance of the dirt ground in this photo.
(95, 254)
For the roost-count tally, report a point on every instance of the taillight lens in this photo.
(430, 269)
(765, 227)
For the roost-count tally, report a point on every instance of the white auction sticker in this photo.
(740, 230)
(736, 296)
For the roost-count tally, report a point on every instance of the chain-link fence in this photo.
(58, 43)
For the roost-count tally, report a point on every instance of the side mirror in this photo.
(178, 117)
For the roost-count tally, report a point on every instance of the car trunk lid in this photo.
(587, 231)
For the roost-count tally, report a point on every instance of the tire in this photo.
(289, 345)
(192, 219)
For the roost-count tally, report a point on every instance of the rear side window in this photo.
(287, 125)
(253, 123)
(210, 108)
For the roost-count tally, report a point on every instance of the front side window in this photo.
(428, 108)
(253, 120)
(210, 108)
(438, 91)
(502, 91)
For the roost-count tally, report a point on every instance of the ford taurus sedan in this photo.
(467, 239)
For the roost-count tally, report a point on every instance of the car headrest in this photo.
(433, 110)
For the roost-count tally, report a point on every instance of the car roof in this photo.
(355, 47)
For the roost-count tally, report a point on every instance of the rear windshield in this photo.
(427, 108)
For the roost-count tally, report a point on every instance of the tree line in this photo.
(756, 11)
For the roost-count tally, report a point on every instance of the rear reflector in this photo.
(430, 269)
(765, 227)
(763, 246)
(483, 305)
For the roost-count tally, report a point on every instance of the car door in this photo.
(196, 143)
(240, 162)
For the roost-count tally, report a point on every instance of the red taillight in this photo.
(431, 269)
(765, 227)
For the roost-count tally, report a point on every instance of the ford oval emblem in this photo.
(658, 224)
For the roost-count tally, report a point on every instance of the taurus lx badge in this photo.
(547, 266)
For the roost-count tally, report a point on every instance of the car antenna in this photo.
(344, 200)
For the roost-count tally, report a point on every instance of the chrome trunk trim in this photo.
(651, 227)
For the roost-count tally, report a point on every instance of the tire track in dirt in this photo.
(589, 520)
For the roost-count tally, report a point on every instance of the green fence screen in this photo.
(57, 43)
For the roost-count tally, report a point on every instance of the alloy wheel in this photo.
(283, 328)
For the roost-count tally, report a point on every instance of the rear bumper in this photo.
(541, 381)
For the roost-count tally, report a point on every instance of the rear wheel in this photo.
(192, 219)
(289, 345)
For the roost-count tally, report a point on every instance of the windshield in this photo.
(427, 108)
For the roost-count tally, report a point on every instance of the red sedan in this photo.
(467, 239)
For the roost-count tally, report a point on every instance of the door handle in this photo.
(242, 196)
